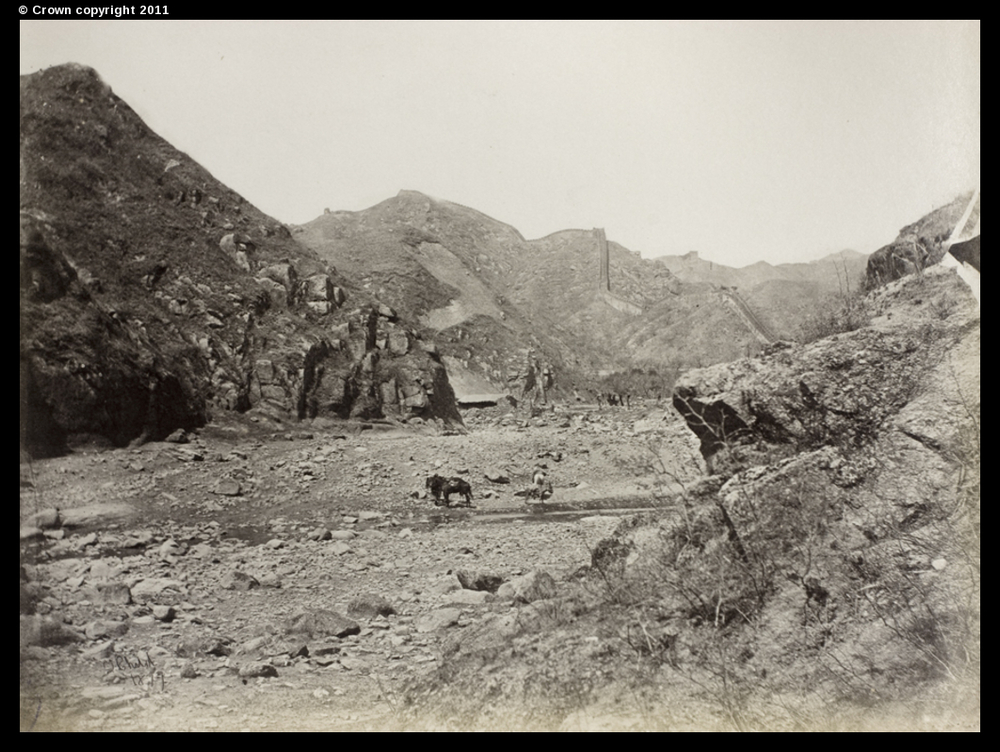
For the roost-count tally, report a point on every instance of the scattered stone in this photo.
(141, 538)
(28, 600)
(323, 648)
(46, 632)
(153, 587)
(319, 534)
(442, 617)
(353, 664)
(270, 580)
(87, 540)
(321, 622)
(494, 475)
(237, 580)
(45, 519)
(256, 669)
(939, 563)
(275, 543)
(168, 549)
(218, 648)
(189, 671)
(101, 629)
(200, 551)
(164, 613)
(292, 649)
(35, 653)
(444, 586)
(100, 652)
(114, 593)
(339, 548)
(178, 437)
(479, 580)
(342, 535)
(96, 515)
(28, 532)
(369, 606)
(54, 534)
(227, 487)
(534, 586)
(470, 597)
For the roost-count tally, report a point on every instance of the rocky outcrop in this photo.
(896, 260)
(842, 519)
(920, 244)
(152, 295)
(838, 391)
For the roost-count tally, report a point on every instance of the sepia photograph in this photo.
(452, 376)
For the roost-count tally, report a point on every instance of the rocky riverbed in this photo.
(268, 576)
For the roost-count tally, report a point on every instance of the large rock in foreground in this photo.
(837, 391)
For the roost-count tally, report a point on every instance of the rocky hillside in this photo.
(152, 295)
(846, 480)
(491, 294)
(920, 244)
(446, 266)
(784, 297)
(824, 574)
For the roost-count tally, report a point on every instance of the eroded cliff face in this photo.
(152, 295)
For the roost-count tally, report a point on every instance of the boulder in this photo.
(102, 629)
(398, 343)
(45, 519)
(469, 597)
(321, 622)
(438, 619)
(258, 669)
(227, 487)
(537, 585)
(45, 631)
(164, 613)
(284, 275)
(496, 475)
(153, 587)
(114, 593)
(369, 606)
(317, 288)
(485, 581)
(237, 580)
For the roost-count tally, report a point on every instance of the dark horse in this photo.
(439, 486)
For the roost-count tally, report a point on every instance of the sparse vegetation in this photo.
(846, 311)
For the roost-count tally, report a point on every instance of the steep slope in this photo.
(152, 295)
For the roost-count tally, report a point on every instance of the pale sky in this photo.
(746, 141)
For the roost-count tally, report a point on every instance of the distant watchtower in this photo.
(602, 247)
